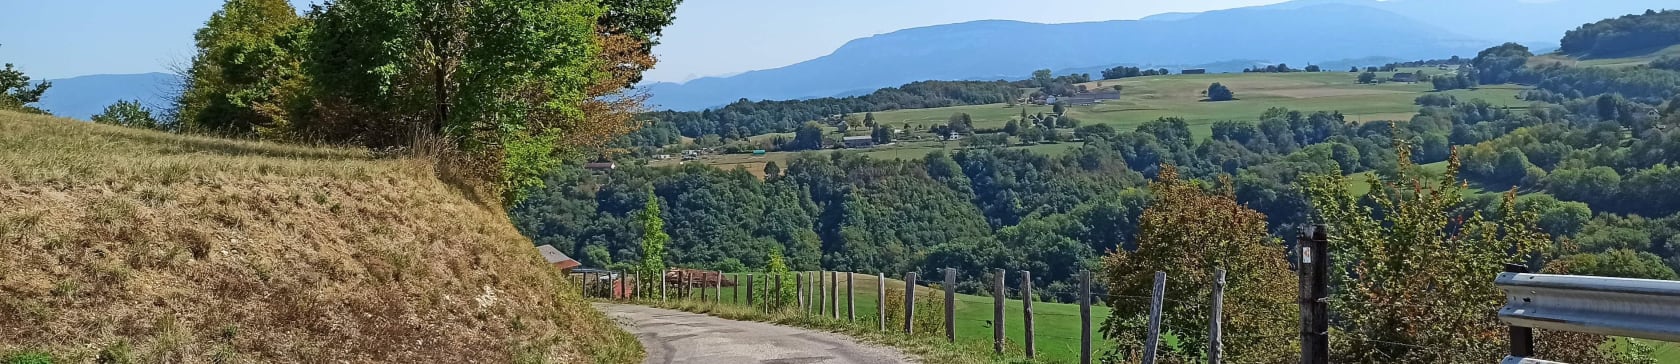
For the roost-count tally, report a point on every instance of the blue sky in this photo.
(66, 38)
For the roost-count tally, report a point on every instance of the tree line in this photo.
(508, 88)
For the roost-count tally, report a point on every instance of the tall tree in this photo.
(1413, 279)
(654, 238)
(246, 78)
(1188, 233)
(17, 94)
(1218, 92)
(512, 81)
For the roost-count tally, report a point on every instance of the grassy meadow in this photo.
(1153, 97)
(1150, 98)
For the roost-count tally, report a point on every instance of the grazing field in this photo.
(1150, 98)
(1641, 59)
(1056, 325)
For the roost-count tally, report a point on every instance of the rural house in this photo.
(859, 142)
(558, 259)
(600, 166)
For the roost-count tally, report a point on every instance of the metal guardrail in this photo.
(1520, 360)
(1638, 308)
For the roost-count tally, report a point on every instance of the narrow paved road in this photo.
(673, 337)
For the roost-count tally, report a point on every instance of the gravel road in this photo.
(673, 337)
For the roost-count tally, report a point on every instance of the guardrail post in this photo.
(1522, 338)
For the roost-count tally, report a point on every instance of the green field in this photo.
(1056, 325)
(1150, 98)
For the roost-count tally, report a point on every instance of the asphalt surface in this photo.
(673, 337)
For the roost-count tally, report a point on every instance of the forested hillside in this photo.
(1590, 154)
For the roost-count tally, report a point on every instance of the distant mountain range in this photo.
(1333, 33)
(86, 96)
(1328, 32)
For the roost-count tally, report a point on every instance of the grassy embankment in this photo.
(125, 245)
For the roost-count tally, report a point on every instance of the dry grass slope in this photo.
(133, 246)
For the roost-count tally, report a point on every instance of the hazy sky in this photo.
(65, 38)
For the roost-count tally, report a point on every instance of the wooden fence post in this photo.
(749, 289)
(718, 286)
(950, 304)
(1027, 311)
(1154, 339)
(1314, 271)
(799, 291)
(1085, 317)
(834, 295)
(909, 302)
(881, 300)
(822, 296)
(1216, 333)
(998, 296)
(776, 292)
(851, 300)
(703, 285)
(735, 294)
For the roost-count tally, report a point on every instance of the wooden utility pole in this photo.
(1216, 331)
(1027, 311)
(1155, 297)
(998, 296)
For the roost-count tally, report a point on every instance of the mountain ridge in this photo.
(970, 50)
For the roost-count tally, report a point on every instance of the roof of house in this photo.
(851, 138)
(554, 256)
